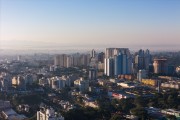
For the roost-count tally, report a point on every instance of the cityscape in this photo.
(114, 84)
(89, 60)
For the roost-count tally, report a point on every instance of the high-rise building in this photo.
(110, 67)
(143, 59)
(139, 60)
(92, 74)
(111, 52)
(69, 61)
(19, 58)
(101, 57)
(76, 61)
(147, 59)
(142, 74)
(118, 64)
(5, 81)
(19, 82)
(93, 60)
(129, 65)
(160, 66)
(29, 79)
(59, 82)
(118, 59)
(82, 84)
(170, 70)
(60, 60)
(73, 60)
(93, 53)
(84, 60)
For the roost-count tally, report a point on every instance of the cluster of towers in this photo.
(64, 60)
(114, 62)
(143, 59)
(117, 61)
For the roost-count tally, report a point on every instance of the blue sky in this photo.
(55, 24)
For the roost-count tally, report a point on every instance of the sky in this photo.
(85, 24)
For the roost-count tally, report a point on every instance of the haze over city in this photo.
(89, 59)
(82, 25)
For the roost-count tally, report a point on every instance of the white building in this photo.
(92, 104)
(171, 84)
(110, 67)
(123, 65)
(127, 85)
(82, 84)
(59, 82)
(171, 112)
(142, 74)
(10, 114)
(114, 80)
(48, 114)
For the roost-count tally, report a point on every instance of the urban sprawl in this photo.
(113, 85)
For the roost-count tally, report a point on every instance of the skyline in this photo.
(56, 25)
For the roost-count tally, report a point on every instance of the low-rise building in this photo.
(4, 105)
(151, 82)
(114, 80)
(102, 82)
(91, 103)
(171, 84)
(10, 114)
(43, 81)
(171, 112)
(120, 95)
(127, 84)
(23, 108)
(127, 77)
(66, 105)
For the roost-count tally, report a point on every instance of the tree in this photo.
(139, 112)
(80, 99)
(117, 117)
(171, 117)
(83, 114)
(139, 101)
(126, 104)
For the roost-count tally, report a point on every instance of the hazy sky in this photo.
(61, 24)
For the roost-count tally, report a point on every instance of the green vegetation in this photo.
(114, 109)
(166, 100)
(27, 99)
(83, 114)
(117, 117)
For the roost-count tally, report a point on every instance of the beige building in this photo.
(178, 70)
(160, 66)
(61, 60)
(171, 84)
(19, 82)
